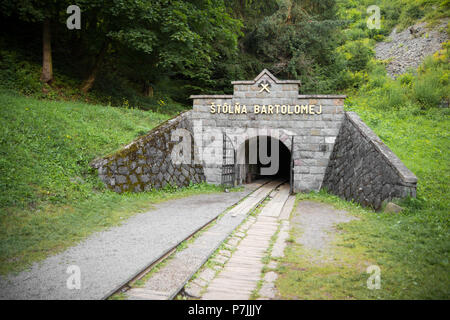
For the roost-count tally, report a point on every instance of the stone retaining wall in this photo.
(313, 135)
(146, 163)
(329, 148)
(362, 168)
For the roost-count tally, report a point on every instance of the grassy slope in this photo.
(412, 248)
(49, 196)
(45, 145)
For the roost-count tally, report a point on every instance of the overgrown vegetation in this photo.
(153, 54)
(147, 57)
(407, 118)
(20, 73)
(411, 250)
(49, 196)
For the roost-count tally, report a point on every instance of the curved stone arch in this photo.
(240, 136)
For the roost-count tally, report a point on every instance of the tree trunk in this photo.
(147, 89)
(89, 82)
(47, 64)
(289, 13)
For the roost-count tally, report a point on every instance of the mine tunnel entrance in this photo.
(263, 157)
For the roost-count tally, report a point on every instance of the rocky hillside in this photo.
(408, 48)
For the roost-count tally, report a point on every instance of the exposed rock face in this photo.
(408, 48)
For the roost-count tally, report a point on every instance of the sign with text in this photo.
(237, 108)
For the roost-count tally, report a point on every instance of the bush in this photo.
(406, 79)
(427, 90)
(355, 34)
(396, 95)
(423, 89)
(17, 74)
(358, 53)
(431, 86)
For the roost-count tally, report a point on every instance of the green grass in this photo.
(413, 258)
(20, 72)
(411, 248)
(49, 196)
(46, 147)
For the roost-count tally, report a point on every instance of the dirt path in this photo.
(315, 264)
(317, 222)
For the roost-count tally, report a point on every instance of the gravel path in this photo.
(108, 259)
(172, 277)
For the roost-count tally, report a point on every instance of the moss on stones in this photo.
(146, 164)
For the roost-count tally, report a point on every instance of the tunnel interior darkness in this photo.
(252, 172)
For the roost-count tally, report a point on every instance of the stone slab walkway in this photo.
(273, 208)
(109, 259)
(241, 274)
(172, 277)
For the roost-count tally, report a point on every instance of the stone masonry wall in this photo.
(313, 134)
(330, 148)
(146, 163)
(364, 169)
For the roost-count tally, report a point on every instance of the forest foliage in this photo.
(153, 54)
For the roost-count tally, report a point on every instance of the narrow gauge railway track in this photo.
(244, 206)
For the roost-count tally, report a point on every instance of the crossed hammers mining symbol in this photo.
(264, 86)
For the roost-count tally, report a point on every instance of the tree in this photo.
(47, 62)
(176, 38)
(293, 38)
(43, 12)
(141, 39)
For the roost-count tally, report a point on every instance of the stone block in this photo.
(302, 169)
(133, 179)
(317, 169)
(338, 102)
(121, 179)
(330, 132)
(328, 110)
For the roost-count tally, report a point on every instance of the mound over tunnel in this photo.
(318, 143)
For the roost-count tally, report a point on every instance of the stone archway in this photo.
(330, 148)
(263, 156)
